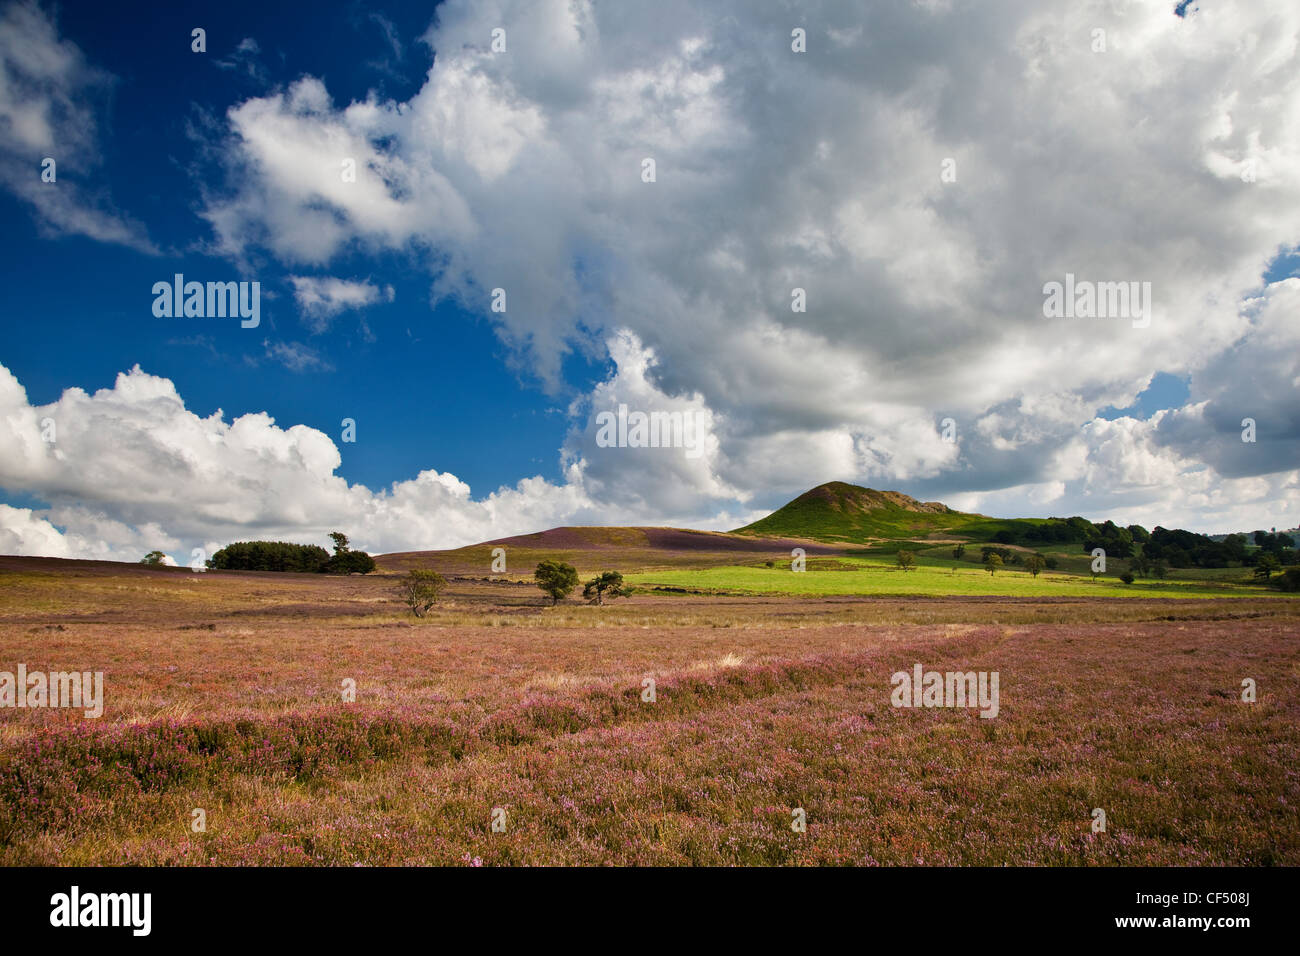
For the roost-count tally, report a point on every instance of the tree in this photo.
(153, 557)
(420, 589)
(1266, 565)
(992, 562)
(1234, 546)
(556, 579)
(1159, 568)
(1140, 565)
(906, 560)
(346, 561)
(1034, 564)
(958, 551)
(1051, 563)
(609, 583)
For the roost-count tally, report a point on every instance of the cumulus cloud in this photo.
(49, 99)
(680, 474)
(1167, 157)
(129, 469)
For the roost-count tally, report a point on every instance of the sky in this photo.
(837, 269)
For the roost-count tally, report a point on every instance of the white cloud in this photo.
(821, 171)
(322, 297)
(47, 111)
(131, 469)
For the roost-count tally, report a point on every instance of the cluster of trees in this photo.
(286, 556)
(1153, 552)
(1186, 549)
(558, 580)
(1117, 542)
(1051, 531)
(421, 587)
(347, 561)
(1276, 543)
(269, 556)
(993, 556)
(1034, 563)
(1147, 567)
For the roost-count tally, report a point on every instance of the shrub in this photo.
(420, 589)
(1289, 580)
(1127, 577)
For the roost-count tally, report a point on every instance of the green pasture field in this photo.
(868, 576)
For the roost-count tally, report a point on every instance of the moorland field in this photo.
(772, 694)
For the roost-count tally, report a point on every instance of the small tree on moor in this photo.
(1035, 563)
(556, 579)
(609, 584)
(906, 560)
(420, 588)
(992, 562)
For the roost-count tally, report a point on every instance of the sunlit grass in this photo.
(863, 576)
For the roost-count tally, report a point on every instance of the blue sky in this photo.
(426, 383)
(922, 172)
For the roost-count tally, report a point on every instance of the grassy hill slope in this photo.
(838, 511)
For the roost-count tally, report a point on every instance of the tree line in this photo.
(1174, 548)
(287, 556)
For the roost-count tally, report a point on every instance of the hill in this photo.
(825, 520)
(838, 511)
(592, 549)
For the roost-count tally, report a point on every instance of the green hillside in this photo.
(838, 511)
